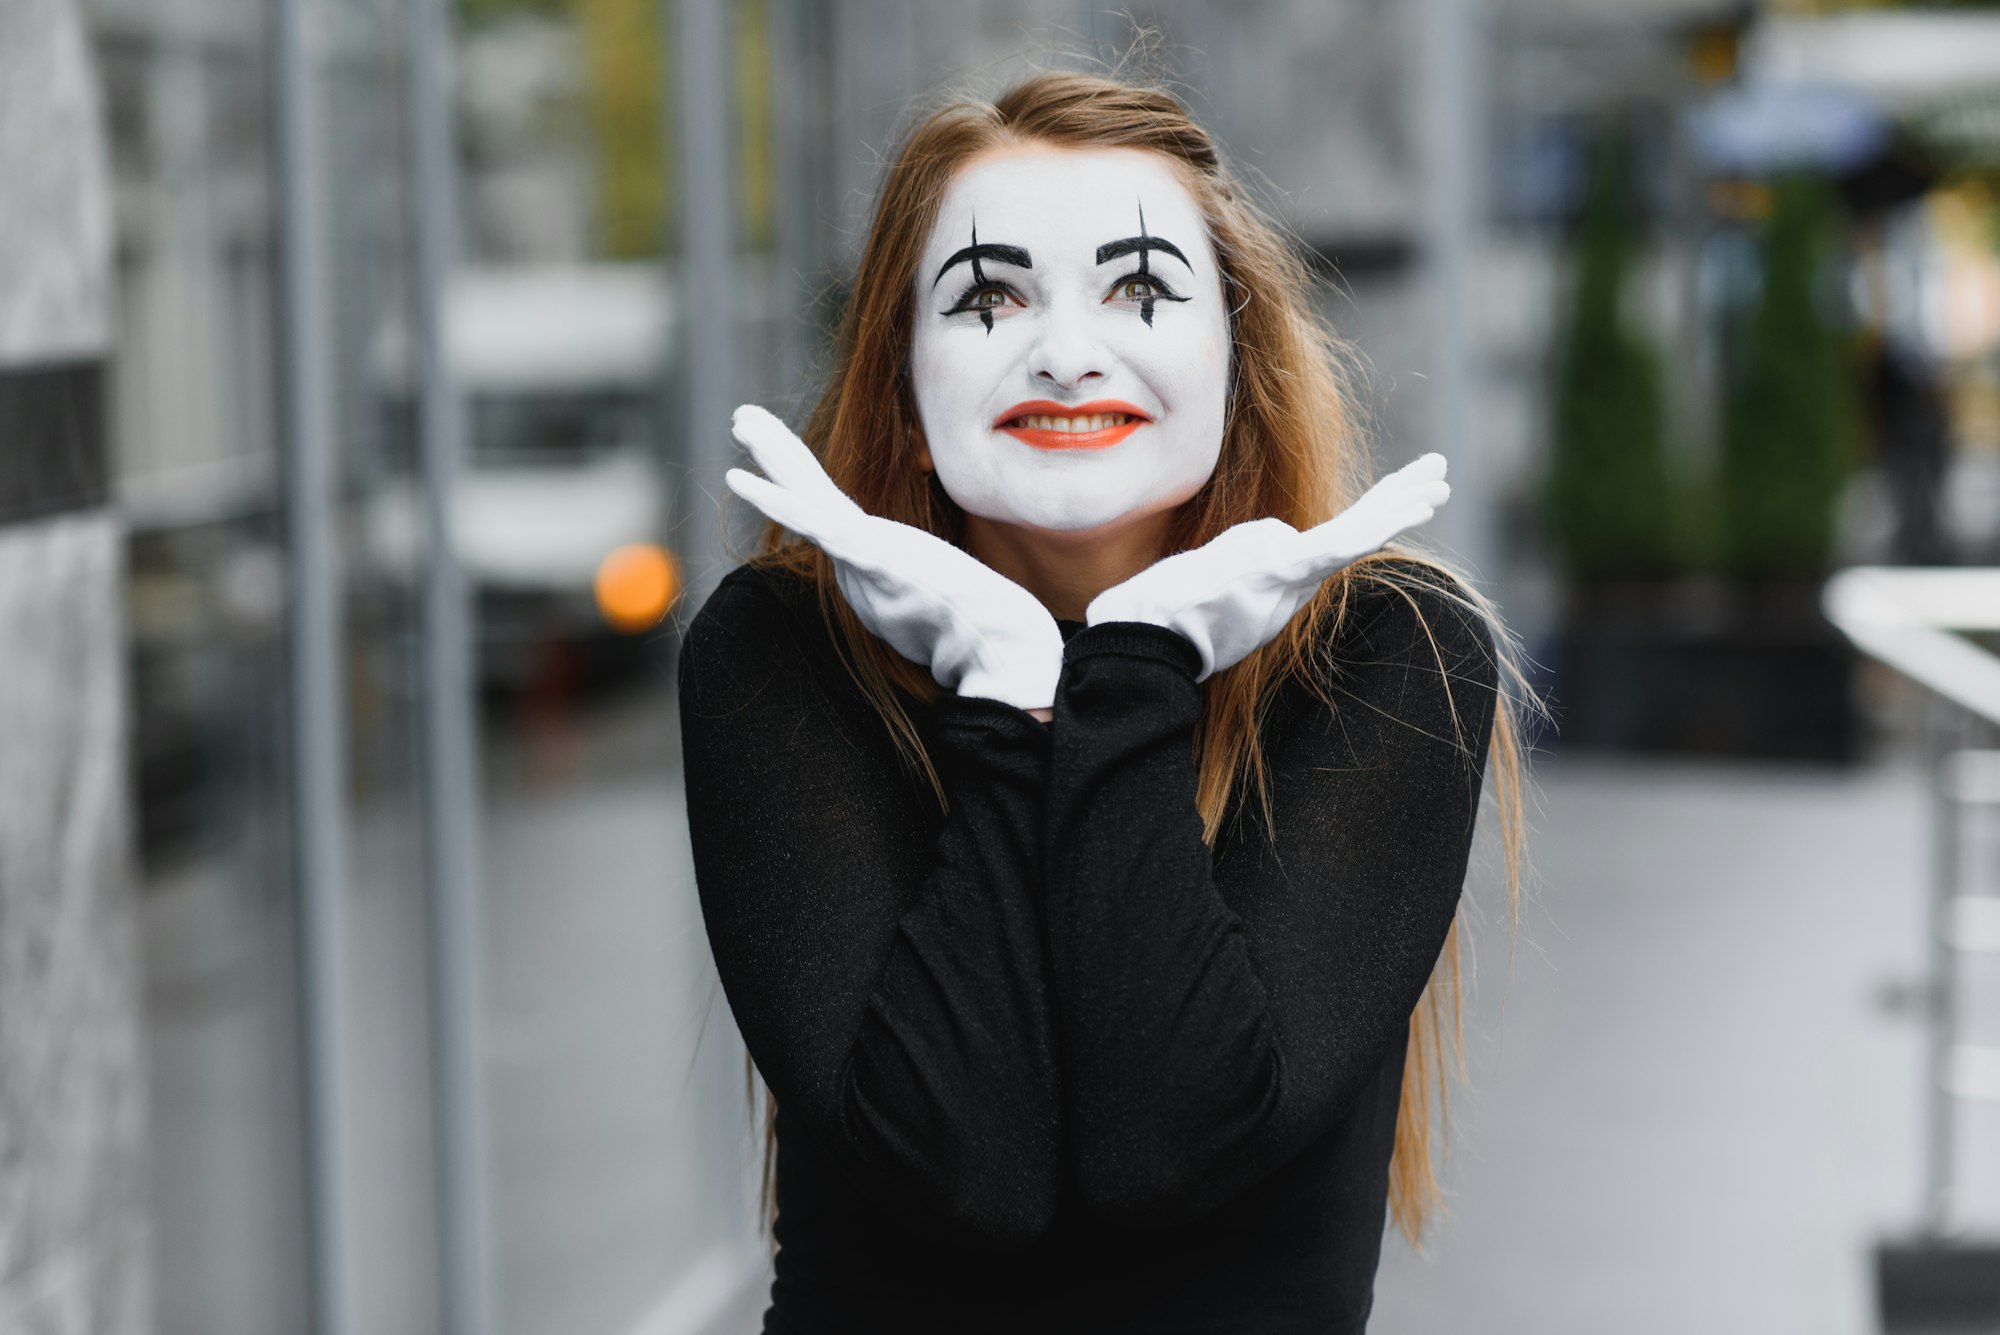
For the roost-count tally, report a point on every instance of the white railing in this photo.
(1916, 621)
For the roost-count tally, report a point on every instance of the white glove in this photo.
(1233, 594)
(978, 632)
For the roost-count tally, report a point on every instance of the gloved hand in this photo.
(978, 632)
(1234, 593)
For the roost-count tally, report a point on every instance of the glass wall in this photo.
(610, 1127)
(197, 478)
(617, 1126)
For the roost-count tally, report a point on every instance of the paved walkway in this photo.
(1697, 1112)
(1694, 1114)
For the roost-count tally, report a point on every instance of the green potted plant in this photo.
(1786, 449)
(1654, 653)
(1609, 499)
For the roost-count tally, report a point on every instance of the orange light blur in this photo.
(635, 586)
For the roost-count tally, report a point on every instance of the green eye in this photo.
(1138, 289)
(983, 299)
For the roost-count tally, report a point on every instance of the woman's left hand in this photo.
(1232, 595)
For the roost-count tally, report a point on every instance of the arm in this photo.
(1218, 1016)
(888, 975)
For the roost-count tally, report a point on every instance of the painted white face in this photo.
(1071, 353)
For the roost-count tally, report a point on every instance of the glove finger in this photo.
(801, 515)
(1420, 483)
(1357, 531)
(1422, 480)
(1425, 468)
(785, 458)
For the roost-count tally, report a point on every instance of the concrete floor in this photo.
(1692, 1109)
(618, 1138)
(1694, 1103)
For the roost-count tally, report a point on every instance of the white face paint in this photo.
(1071, 361)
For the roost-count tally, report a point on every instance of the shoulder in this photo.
(752, 596)
(1406, 653)
(1407, 612)
(759, 622)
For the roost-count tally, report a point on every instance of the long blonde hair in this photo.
(1291, 448)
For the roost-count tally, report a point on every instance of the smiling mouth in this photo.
(1083, 426)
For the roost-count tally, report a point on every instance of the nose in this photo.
(1066, 355)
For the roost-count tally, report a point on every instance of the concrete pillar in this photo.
(74, 1232)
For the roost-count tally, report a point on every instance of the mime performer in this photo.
(1081, 786)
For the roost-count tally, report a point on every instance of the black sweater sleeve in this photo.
(1218, 1014)
(887, 971)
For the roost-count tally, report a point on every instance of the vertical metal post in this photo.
(1942, 981)
(1451, 52)
(797, 74)
(451, 770)
(318, 754)
(707, 306)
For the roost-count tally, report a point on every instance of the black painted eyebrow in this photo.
(988, 250)
(1139, 245)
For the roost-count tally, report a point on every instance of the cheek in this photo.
(1189, 371)
(949, 374)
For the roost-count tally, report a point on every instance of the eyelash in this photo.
(1161, 292)
(964, 306)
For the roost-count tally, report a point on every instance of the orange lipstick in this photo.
(1059, 427)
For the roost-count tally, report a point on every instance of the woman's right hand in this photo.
(978, 632)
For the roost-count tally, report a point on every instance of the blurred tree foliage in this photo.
(479, 11)
(1787, 418)
(629, 81)
(625, 80)
(625, 52)
(1610, 505)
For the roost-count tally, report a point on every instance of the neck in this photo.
(1066, 570)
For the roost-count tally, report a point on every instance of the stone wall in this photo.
(74, 1231)
(73, 1237)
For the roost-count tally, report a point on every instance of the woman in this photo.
(1080, 801)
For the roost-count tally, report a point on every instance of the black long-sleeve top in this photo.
(1047, 1062)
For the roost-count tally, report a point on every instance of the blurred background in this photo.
(364, 372)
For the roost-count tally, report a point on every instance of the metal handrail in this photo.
(1912, 619)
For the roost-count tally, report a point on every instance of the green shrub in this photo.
(1787, 416)
(1610, 505)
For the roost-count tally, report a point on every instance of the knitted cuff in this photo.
(1135, 639)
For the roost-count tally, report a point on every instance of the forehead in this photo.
(1059, 202)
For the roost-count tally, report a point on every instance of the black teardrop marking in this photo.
(1145, 257)
(979, 277)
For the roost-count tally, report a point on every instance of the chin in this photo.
(1094, 519)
